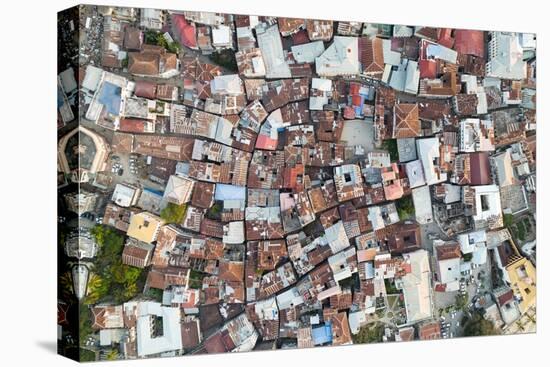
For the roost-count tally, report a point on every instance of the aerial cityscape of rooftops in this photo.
(233, 183)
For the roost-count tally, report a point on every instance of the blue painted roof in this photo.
(230, 192)
(60, 100)
(322, 334)
(110, 97)
(153, 191)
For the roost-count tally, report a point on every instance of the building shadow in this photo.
(50, 346)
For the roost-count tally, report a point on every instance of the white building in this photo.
(150, 316)
(476, 135)
(416, 287)
(222, 37)
(383, 215)
(321, 90)
(233, 233)
(503, 168)
(289, 298)
(422, 200)
(415, 173)
(227, 84)
(269, 41)
(341, 58)
(307, 52)
(505, 57)
(488, 207)
(472, 87)
(474, 243)
(126, 195)
(178, 190)
(406, 78)
(428, 152)
(152, 19)
(448, 258)
(341, 268)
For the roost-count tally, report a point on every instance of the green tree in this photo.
(225, 58)
(150, 37)
(215, 211)
(390, 287)
(87, 355)
(520, 231)
(113, 279)
(508, 220)
(405, 207)
(195, 279)
(467, 257)
(391, 146)
(112, 355)
(154, 293)
(66, 285)
(173, 213)
(370, 333)
(531, 318)
(477, 325)
(161, 41)
(84, 323)
(520, 326)
(97, 288)
(461, 300)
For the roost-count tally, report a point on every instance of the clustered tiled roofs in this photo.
(291, 197)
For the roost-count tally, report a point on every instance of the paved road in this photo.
(451, 324)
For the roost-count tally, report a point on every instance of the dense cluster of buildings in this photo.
(333, 176)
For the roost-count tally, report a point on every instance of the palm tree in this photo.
(531, 318)
(66, 283)
(96, 289)
(520, 325)
(112, 355)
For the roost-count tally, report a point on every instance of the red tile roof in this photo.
(428, 69)
(470, 42)
(430, 331)
(445, 37)
(146, 89)
(132, 125)
(371, 55)
(187, 32)
(505, 297)
(448, 251)
(480, 172)
(231, 270)
(265, 142)
(300, 38)
(407, 124)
